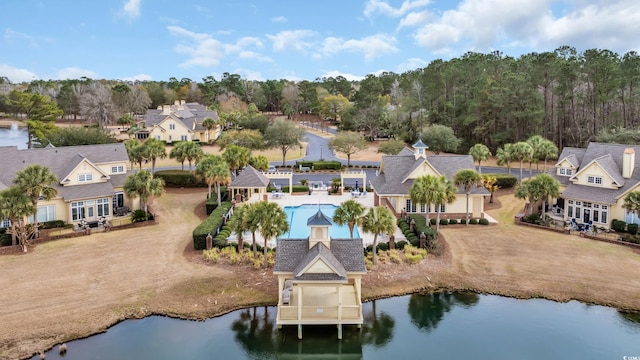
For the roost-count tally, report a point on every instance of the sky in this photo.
(291, 39)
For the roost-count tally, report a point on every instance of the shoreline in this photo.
(174, 281)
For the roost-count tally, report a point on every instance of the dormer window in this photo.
(117, 169)
(594, 180)
(85, 177)
(172, 126)
(566, 171)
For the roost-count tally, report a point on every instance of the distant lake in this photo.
(14, 137)
(458, 325)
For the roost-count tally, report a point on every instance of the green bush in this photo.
(52, 224)
(483, 221)
(140, 215)
(179, 178)
(383, 246)
(473, 221)
(285, 189)
(414, 241)
(5, 239)
(327, 165)
(432, 221)
(453, 221)
(504, 181)
(618, 225)
(444, 222)
(632, 229)
(401, 244)
(210, 225)
(532, 219)
(212, 202)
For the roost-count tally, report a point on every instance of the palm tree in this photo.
(215, 171)
(179, 153)
(522, 152)
(547, 150)
(252, 222)
(468, 179)
(444, 194)
(505, 156)
(423, 192)
(37, 182)
(378, 220)
(193, 152)
(480, 152)
(208, 123)
(144, 185)
(152, 150)
(536, 142)
(238, 224)
(15, 205)
(538, 188)
(273, 223)
(135, 152)
(259, 162)
(348, 213)
(237, 157)
(632, 202)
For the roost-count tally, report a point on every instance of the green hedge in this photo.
(179, 178)
(285, 189)
(632, 229)
(504, 181)
(212, 203)
(483, 221)
(320, 165)
(52, 224)
(210, 225)
(618, 225)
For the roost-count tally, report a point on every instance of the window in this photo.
(117, 169)
(411, 208)
(118, 200)
(566, 171)
(5, 223)
(183, 137)
(158, 137)
(594, 180)
(77, 210)
(90, 207)
(85, 177)
(570, 211)
(103, 207)
(46, 213)
(172, 126)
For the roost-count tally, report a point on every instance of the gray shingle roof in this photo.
(573, 155)
(191, 114)
(609, 156)
(393, 181)
(248, 178)
(320, 252)
(60, 161)
(292, 252)
(319, 218)
(88, 191)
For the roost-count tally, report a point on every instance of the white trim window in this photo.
(172, 126)
(565, 171)
(592, 179)
(77, 210)
(103, 207)
(183, 137)
(85, 177)
(117, 169)
(5, 223)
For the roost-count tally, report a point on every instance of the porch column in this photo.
(299, 303)
(339, 288)
(290, 184)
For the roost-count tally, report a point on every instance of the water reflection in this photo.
(631, 320)
(428, 310)
(377, 329)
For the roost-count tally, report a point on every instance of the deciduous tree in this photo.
(348, 143)
(283, 134)
(440, 138)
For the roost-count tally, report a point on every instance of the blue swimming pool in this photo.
(298, 215)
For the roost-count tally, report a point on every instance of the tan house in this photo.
(319, 278)
(91, 180)
(181, 121)
(594, 182)
(398, 172)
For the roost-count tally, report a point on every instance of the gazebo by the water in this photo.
(250, 181)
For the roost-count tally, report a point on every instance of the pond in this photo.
(14, 137)
(437, 326)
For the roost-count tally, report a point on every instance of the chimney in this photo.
(176, 102)
(628, 162)
(166, 109)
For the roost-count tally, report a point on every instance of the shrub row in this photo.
(472, 221)
(179, 178)
(320, 165)
(285, 189)
(421, 226)
(52, 224)
(209, 226)
(212, 202)
(504, 181)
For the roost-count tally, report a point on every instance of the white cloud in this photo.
(371, 46)
(414, 19)
(291, 39)
(379, 6)
(10, 35)
(279, 19)
(247, 74)
(131, 9)
(75, 73)
(336, 73)
(16, 75)
(205, 50)
(411, 64)
(138, 77)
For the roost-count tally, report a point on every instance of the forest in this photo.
(566, 96)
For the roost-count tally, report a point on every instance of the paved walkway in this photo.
(319, 197)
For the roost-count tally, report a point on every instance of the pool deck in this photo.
(319, 197)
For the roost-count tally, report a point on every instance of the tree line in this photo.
(566, 96)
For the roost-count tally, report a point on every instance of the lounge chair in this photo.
(286, 296)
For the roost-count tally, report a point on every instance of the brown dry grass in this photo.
(76, 287)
